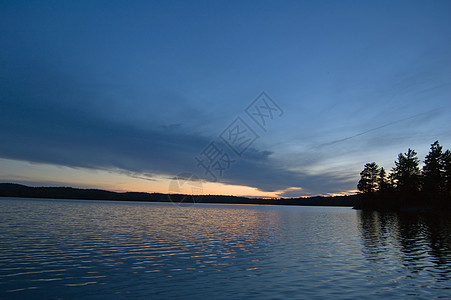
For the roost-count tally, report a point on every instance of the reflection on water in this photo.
(91, 249)
(416, 247)
(82, 248)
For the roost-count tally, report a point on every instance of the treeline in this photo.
(22, 191)
(406, 186)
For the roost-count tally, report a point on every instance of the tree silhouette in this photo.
(406, 172)
(406, 187)
(369, 178)
(446, 161)
(433, 171)
(382, 183)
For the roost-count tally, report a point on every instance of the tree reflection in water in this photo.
(422, 243)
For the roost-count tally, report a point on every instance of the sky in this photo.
(249, 98)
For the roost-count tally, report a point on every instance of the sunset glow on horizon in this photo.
(54, 175)
(260, 99)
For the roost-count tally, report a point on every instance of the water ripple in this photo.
(71, 249)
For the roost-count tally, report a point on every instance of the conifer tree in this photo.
(369, 178)
(446, 160)
(434, 171)
(382, 183)
(406, 172)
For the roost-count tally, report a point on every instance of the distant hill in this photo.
(23, 191)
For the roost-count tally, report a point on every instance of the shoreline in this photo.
(69, 193)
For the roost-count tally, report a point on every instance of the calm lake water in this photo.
(98, 249)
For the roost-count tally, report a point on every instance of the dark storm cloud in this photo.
(48, 117)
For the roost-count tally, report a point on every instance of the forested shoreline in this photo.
(22, 191)
(407, 186)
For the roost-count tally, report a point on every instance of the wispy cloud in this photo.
(432, 112)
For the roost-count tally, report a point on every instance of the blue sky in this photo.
(125, 95)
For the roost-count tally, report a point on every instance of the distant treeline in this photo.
(407, 187)
(22, 191)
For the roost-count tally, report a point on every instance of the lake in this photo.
(99, 249)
